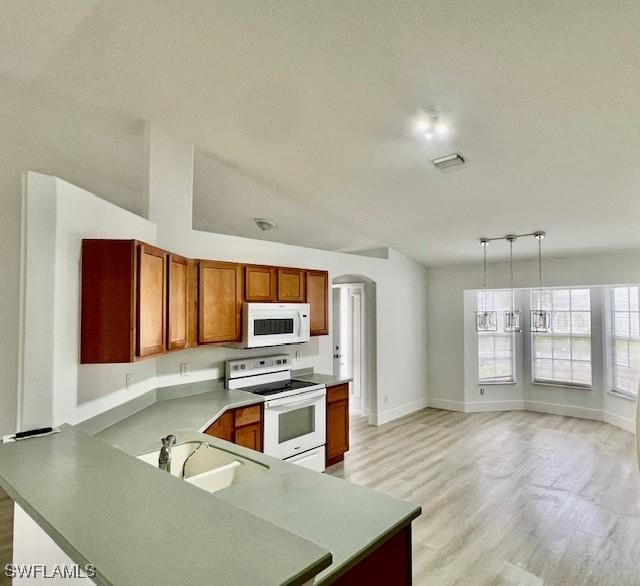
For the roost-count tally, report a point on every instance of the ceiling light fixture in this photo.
(486, 321)
(539, 317)
(264, 224)
(511, 317)
(429, 125)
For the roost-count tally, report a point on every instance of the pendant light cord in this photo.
(513, 294)
(539, 273)
(484, 282)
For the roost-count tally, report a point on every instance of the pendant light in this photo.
(486, 321)
(539, 316)
(511, 317)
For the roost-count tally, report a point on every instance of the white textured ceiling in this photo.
(301, 113)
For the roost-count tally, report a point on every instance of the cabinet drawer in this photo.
(338, 393)
(247, 415)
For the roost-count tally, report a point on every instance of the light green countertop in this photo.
(323, 512)
(325, 379)
(139, 525)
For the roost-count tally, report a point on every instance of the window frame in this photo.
(612, 338)
(511, 335)
(570, 335)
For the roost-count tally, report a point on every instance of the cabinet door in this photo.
(260, 283)
(337, 423)
(291, 285)
(318, 299)
(222, 427)
(108, 301)
(219, 302)
(178, 303)
(249, 436)
(151, 306)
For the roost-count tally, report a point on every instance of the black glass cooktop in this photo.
(277, 387)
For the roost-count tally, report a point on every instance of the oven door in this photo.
(295, 424)
(272, 324)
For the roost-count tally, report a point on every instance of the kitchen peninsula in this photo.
(285, 526)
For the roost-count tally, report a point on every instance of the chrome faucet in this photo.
(164, 461)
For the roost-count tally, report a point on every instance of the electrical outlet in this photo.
(128, 379)
(386, 399)
(298, 354)
(184, 369)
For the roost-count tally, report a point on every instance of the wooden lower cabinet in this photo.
(249, 436)
(337, 423)
(242, 426)
(390, 564)
(223, 427)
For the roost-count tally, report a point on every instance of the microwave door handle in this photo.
(299, 323)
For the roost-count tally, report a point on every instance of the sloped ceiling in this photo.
(302, 110)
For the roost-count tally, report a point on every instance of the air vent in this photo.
(448, 161)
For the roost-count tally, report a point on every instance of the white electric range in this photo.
(294, 410)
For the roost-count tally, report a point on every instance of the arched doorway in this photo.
(354, 348)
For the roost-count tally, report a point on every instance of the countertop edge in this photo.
(371, 547)
(66, 546)
(77, 556)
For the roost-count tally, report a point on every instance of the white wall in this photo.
(41, 133)
(446, 328)
(55, 387)
(78, 393)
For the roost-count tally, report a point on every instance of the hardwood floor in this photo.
(508, 498)
(6, 534)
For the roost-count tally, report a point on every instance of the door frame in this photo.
(354, 290)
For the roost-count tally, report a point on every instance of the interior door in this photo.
(151, 301)
(339, 363)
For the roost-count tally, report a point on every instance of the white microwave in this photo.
(273, 324)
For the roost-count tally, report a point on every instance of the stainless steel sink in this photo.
(206, 466)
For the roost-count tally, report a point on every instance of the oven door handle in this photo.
(283, 404)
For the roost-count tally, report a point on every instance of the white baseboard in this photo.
(482, 406)
(538, 406)
(618, 421)
(560, 409)
(397, 412)
(447, 404)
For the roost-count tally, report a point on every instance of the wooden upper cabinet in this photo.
(318, 298)
(260, 283)
(179, 309)
(107, 324)
(291, 285)
(151, 301)
(220, 302)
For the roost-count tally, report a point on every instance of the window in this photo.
(626, 340)
(495, 349)
(562, 355)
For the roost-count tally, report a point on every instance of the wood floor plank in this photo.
(508, 498)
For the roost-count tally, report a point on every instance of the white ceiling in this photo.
(301, 112)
